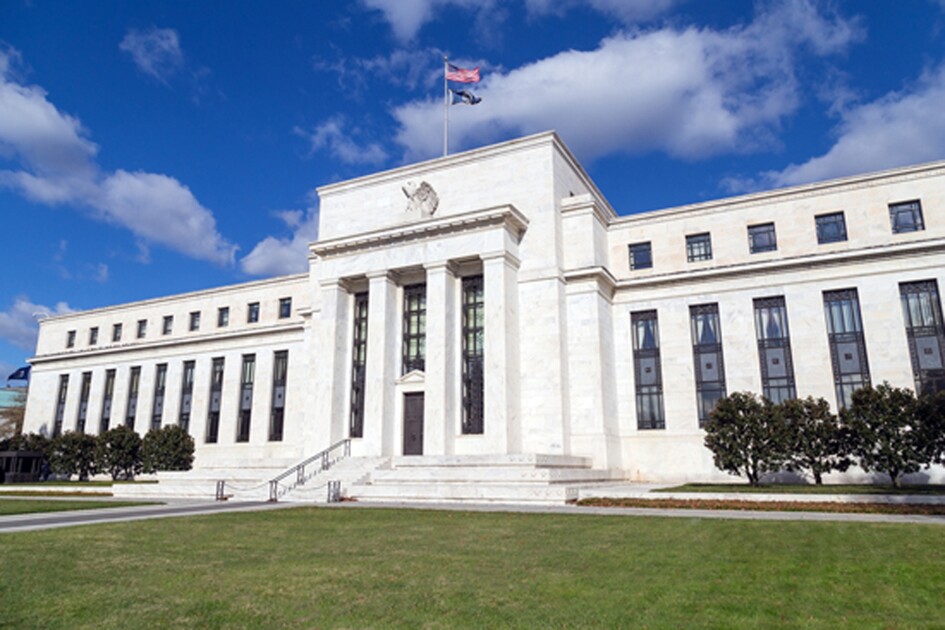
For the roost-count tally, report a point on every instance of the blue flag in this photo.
(464, 97)
(23, 374)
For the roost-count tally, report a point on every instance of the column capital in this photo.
(441, 265)
(379, 274)
(506, 257)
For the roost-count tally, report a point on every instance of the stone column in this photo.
(329, 390)
(381, 370)
(442, 378)
(500, 288)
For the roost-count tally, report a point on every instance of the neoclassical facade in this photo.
(493, 302)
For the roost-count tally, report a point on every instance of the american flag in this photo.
(462, 75)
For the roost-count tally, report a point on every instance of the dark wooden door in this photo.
(413, 424)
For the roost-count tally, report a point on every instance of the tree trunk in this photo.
(896, 477)
(818, 479)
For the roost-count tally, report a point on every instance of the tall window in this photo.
(93, 335)
(641, 255)
(851, 369)
(831, 228)
(285, 307)
(186, 395)
(116, 333)
(707, 357)
(358, 365)
(107, 401)
(134, 382)
(142, 328)
(223, 317)
(247, 377)
(473, 337)
(70, 339)
(216, 392)
(774, 349)
(646, 370)
(83, 402)
(252, 312)
(761, 238)
(195, 321)
(61, 404)
(906, 217)
(160, 382)
(168, 324)
(415, 327)
(922, 312)
(699, 247)
(280, 372)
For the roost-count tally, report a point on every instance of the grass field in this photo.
(357, 568)
(786, 488)
(9, 507)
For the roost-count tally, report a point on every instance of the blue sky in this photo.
(151, 148)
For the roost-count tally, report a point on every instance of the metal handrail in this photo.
(325, 462)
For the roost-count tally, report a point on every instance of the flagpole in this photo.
(446, 108)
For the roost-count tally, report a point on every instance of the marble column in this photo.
(380, 423)
(502, 427)
(332, 368)
(441, 408)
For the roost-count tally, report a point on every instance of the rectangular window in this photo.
(831, 228)
(280, 373)
(160, 382)
(61, 404)
(906, 217)
(415, 327)
(223, 317)
(70, 339)
(142, 328)
(247, 376)
(647, 372)
(922, 312)
(216, 393)
(186, 395)
(194, 321)
(83, 402)
(93, 335)
(473, 323)
(358, 365)
(252, 313)
(641, 255)
(707, 357)
(774, 349)
(168, 324)
(761, 238)
(134, 381)
(851, 369)
(285, 307)
(116, 333)
(106, 420)
(699, 247)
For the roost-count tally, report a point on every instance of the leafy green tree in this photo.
(27, 442)
(746, 435)
(167, 448)
(887, 432)
(73, 453)
(816, 441)
(931, 412)
(118, 452)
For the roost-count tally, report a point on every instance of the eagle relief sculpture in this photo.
(421, 199)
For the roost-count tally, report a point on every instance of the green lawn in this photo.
(30, 506)
(357, 568)
(785, 488)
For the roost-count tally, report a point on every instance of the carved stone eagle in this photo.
(421, 198)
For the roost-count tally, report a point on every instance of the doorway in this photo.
(413, 424)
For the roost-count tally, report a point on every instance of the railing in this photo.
(309, 468)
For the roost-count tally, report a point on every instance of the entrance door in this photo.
(413, 424)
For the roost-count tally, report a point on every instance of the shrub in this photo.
(746, 436)
(816, 441)
(73, 454)
(27, 442)
(118, 452)
(168, 448)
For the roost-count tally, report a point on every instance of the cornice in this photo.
(586, 204)
(603, 280)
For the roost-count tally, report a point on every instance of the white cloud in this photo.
(156, 51)
(59, 167)
(275, 256)
(688, 92)
(407, 17)
(18, 323)
(341, 144)
(898, 129)
(627, 11)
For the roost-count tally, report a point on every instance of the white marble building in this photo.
(493, 302)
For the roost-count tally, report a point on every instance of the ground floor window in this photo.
(473, 333)
(647, 373)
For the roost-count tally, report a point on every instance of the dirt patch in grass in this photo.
(768, 506)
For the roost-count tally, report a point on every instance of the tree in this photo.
(167, 448)
(11, 418)
(817, 442)
(931, 412)
(27, 442)
(887, 432)
(73, 453)
(746, 436)
(118, 452)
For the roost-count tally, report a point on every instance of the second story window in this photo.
(641, 256)
(285, 307)
(761, 238)
(195, 321)
(831, 228)
(70, 339)
(906, 217)
(252, 313)
(168, 324)
(223, 317)
(699, 247)
(142, 328)
(93, 335)
(116, 333)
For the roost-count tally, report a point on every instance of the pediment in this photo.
(413, 377)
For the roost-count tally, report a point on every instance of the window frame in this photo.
(914, 207)
(699, 247)
(642, 246)
(822, 221)
(757, 230)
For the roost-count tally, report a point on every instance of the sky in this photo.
(153, 148)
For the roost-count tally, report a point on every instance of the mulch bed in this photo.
(768, 506)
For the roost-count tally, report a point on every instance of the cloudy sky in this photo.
(151, 148)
